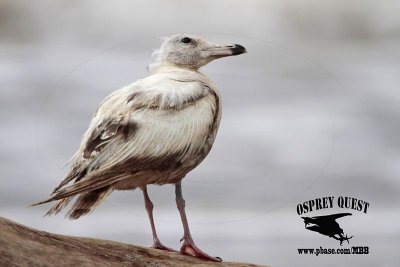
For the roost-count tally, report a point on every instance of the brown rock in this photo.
(24, 246)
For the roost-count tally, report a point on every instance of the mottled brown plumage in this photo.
(153, 131)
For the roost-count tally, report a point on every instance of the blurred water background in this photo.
(312, 110)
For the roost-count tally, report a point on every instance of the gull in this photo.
(153, 131)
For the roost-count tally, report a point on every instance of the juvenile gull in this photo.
(153, 131)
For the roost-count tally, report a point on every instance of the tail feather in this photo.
(86, 202)
(89, 184)
(58, 206)
(89, 192)
(76, 173)
(50, 199)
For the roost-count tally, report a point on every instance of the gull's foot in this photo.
(158, 245)
(189, 248)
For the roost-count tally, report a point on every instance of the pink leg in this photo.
(188, 247)
(149, 208)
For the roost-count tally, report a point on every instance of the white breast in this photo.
(174, 130)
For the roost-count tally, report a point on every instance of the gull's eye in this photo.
(186, 40)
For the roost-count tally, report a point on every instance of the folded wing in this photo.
(149, 126)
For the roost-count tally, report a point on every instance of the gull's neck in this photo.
(178, 71)
(168, 67)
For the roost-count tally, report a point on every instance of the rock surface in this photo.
(24, 246)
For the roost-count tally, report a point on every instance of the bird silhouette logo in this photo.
(327, 225)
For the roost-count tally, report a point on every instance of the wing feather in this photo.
(140, 127)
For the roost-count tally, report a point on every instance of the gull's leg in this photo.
(149, 208)
(188, 246)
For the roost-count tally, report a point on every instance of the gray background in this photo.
(312, 110)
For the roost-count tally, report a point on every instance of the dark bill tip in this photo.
(238, 49)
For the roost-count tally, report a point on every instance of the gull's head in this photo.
(193, 52)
